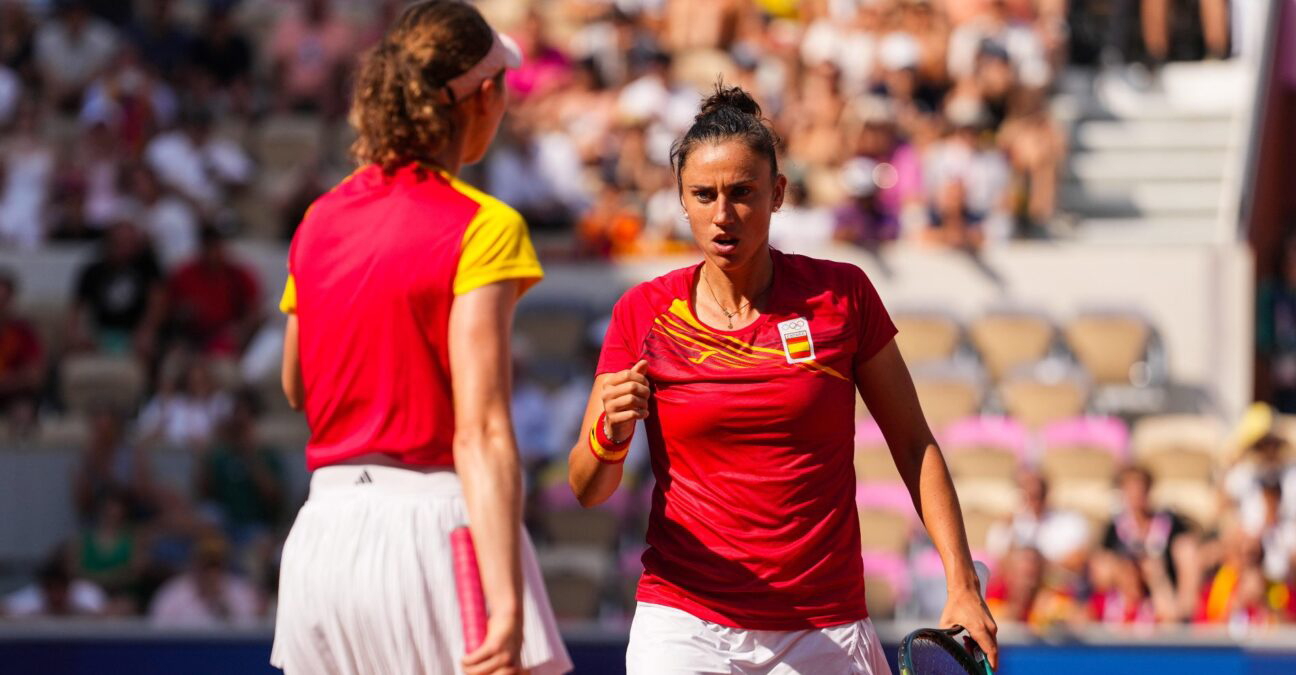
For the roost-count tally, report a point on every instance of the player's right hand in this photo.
(625, 400)
(500, 653)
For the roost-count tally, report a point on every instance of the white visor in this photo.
(504, 53)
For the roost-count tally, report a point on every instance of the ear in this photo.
(780, 189)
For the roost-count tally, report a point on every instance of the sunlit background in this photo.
(1080, 215)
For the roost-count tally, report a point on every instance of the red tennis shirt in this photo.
(751, 435)
(374, 269)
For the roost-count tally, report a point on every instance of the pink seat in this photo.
(1107, 433)
(885, 497)
(868, 434)
(987, 431)
(559, 496)
(890, 567)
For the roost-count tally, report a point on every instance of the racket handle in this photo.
(468, 586)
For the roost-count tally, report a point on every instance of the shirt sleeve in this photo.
(875, 326)
(288, 301)
(621, 342)
(497, 247)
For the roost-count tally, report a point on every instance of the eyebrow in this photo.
(740, 181)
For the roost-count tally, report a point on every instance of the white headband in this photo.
(504, 53)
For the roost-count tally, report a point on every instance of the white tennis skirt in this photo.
(366, 583)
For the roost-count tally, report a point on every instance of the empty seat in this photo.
(93, 380)
(926, 337)
(575, 596)
(1197, 500)
(1006, 340)
(1161, 433)
(995, 497)
(1037, 401)
(1094, 499)
(64, 432)
(1108, 345)
(1180, 464)
(884, 530)
(946, 398)
(981, 463)
(286, 142)
(978, 523)
(1078, 463)
(880, 596)
(875, 465)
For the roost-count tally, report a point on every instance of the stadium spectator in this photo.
(120, 301)
(221, 58)
(1143, 538)
(995, 29)
(22, 362)
(967, 181)
(27, 167)
(162, 42)
(111, 464)
(215, 302)
(130, 100)
(199, 165)
(1236, 592)
(55, 593)
(241, 478)
(72, 49)
(308, 51)
(209, 595)
(188, 410)
(171, 223)
(1062, 537)
(1021, 592)
(1131, 589)
(108, 551)
(88, 189)
(18, 41)
(1035, 147)
(1263, 458)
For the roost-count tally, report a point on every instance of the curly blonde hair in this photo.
(401, 109)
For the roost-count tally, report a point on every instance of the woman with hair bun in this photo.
(403, 282)
(744, 369)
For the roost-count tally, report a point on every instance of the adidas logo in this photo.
(364, 478)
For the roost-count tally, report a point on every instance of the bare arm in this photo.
(486, 457)
(290, 374)
(888, 390)
(624, 396)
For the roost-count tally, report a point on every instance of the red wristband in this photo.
(604, 449)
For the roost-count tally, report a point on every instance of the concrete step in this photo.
(1195, 199)
(1147, 166)
(1173, 134)
(1160, 230)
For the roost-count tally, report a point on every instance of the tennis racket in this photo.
(468, 586)
(933, 651)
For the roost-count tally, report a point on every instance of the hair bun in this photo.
(729, 98)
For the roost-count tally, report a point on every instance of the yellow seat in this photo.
(1036, 402)
(884, 531)
(1108, 345)
(1007, 340)
(926, 338)
(1078, 463)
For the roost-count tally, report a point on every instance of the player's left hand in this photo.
(966, 608)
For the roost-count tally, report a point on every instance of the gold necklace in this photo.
(730, 315)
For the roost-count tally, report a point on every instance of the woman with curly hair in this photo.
(400, 299)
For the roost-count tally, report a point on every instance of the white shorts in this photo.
(669, 641)
(366, 583)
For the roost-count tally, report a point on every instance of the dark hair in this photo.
(398, 109)
(728, 113)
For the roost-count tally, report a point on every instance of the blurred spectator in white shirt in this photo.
(208, 595)
(55, 594)
(308, 51)
(170, 222)
(187, 413)
(967, 180)
(1062, 537)
(71, 50)
(1017, 38)
(201, 166)
(28, 164)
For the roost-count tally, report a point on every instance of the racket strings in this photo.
(933, 656)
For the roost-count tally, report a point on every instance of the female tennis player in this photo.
(400, 301)
(744, 368)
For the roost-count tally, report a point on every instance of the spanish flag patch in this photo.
(798, 345)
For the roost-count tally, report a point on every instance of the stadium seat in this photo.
(1006, 340)
(1037, 401)
(885, 530)
(93, 380)
(880, 596)
(1108, 345)
(574, 578)
(995, 497)
(978, 523)
(50, 321)
(284, 142)
(892, 497)
(1077, 463)
(875, 465)
(1094, 499)
(926, 337)
(886, 583)
(1165, 433)
(946, 396)
(981, 463)
(63, 433)
(1198, 500)
(1180, 464)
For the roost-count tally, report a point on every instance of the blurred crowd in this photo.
(156, 131)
